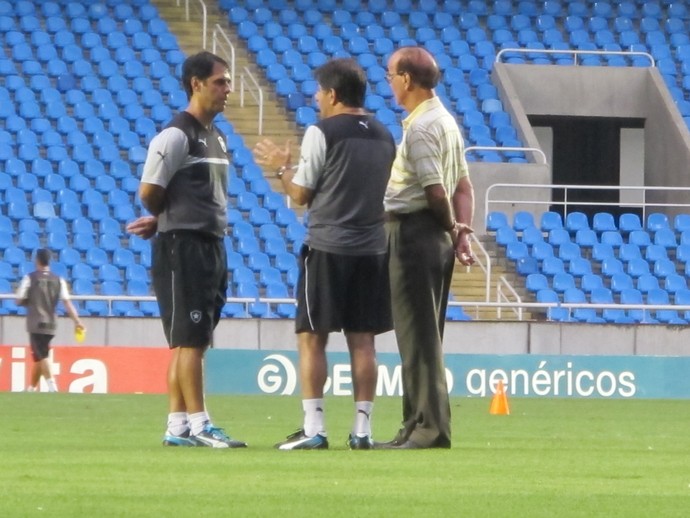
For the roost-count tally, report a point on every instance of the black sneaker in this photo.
(360, 442)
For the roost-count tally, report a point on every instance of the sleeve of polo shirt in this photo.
(312, 158)
(64, 291)
(23, 289)
(166, 155)
(425, 156)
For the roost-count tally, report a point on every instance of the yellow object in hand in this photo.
(79, 334)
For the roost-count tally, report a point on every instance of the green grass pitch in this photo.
(100, 455)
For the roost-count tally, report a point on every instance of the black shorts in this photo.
(190, 279)
(343, 292)
(40, 346)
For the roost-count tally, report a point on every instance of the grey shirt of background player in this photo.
(42, 290)
(346, 160)
(191, 163)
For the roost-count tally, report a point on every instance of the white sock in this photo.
(52, 387)
(177, 423)
(313, 417)
(198, 421)
(363, 411)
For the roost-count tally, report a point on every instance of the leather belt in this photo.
(402, 216)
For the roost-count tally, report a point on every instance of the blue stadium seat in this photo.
(673, 283)
(522, 220)
(536, 282)
(505, 235)
(579, 266)
(665, 237)
(569, 251)
(575, 221)
(647, 282)
(496, 220)
(611, 238)
(611, 265)
(516, 250)
(558, 236)
(629, 222)
(603, 221)
(591, 281)
(562, 281)
(550, 220)
(657, 221)
(637, 267)
(629, 251)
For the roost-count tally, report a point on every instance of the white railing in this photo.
(204, 18)
(249, 83)
(575, 53)
(502, 296)
(223, 47)
(516, 307)
(568, 305)
(642, 191)
(486, 267)
(109, 299)
(484, 262)
(535, 150)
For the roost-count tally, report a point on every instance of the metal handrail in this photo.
(204, 19)
(484, 265)
(150, 298)
(576, 53)
(644, 190)
(249, 82)
(506, 149)
(502, 281)
(221, 41)
(521, 305)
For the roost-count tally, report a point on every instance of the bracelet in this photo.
(281, 171)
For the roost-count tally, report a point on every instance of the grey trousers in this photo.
(421, 260)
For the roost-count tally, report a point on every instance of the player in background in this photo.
(40, 291)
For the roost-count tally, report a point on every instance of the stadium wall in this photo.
(535, 338)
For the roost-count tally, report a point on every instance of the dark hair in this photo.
(423, 72)
(199, 65)
(43, 256)
(346, 77)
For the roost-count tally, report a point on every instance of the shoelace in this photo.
(218, 432)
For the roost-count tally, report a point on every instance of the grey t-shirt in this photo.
(346, 160)
(42, 290)
(191, 163)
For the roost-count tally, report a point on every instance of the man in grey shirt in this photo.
(40, 292)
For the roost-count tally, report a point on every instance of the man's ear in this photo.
(333, 97)
(196, 83)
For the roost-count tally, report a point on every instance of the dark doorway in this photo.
(586, 151)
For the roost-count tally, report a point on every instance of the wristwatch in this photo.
(281, 171)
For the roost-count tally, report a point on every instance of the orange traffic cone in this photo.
(499, 402)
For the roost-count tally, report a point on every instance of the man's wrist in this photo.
(284, 169)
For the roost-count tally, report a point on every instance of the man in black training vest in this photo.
(40, 292)
(184, 186)
(345, 162)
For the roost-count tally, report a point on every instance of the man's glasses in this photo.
(389, 76)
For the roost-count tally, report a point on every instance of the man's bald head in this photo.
(419, 64)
